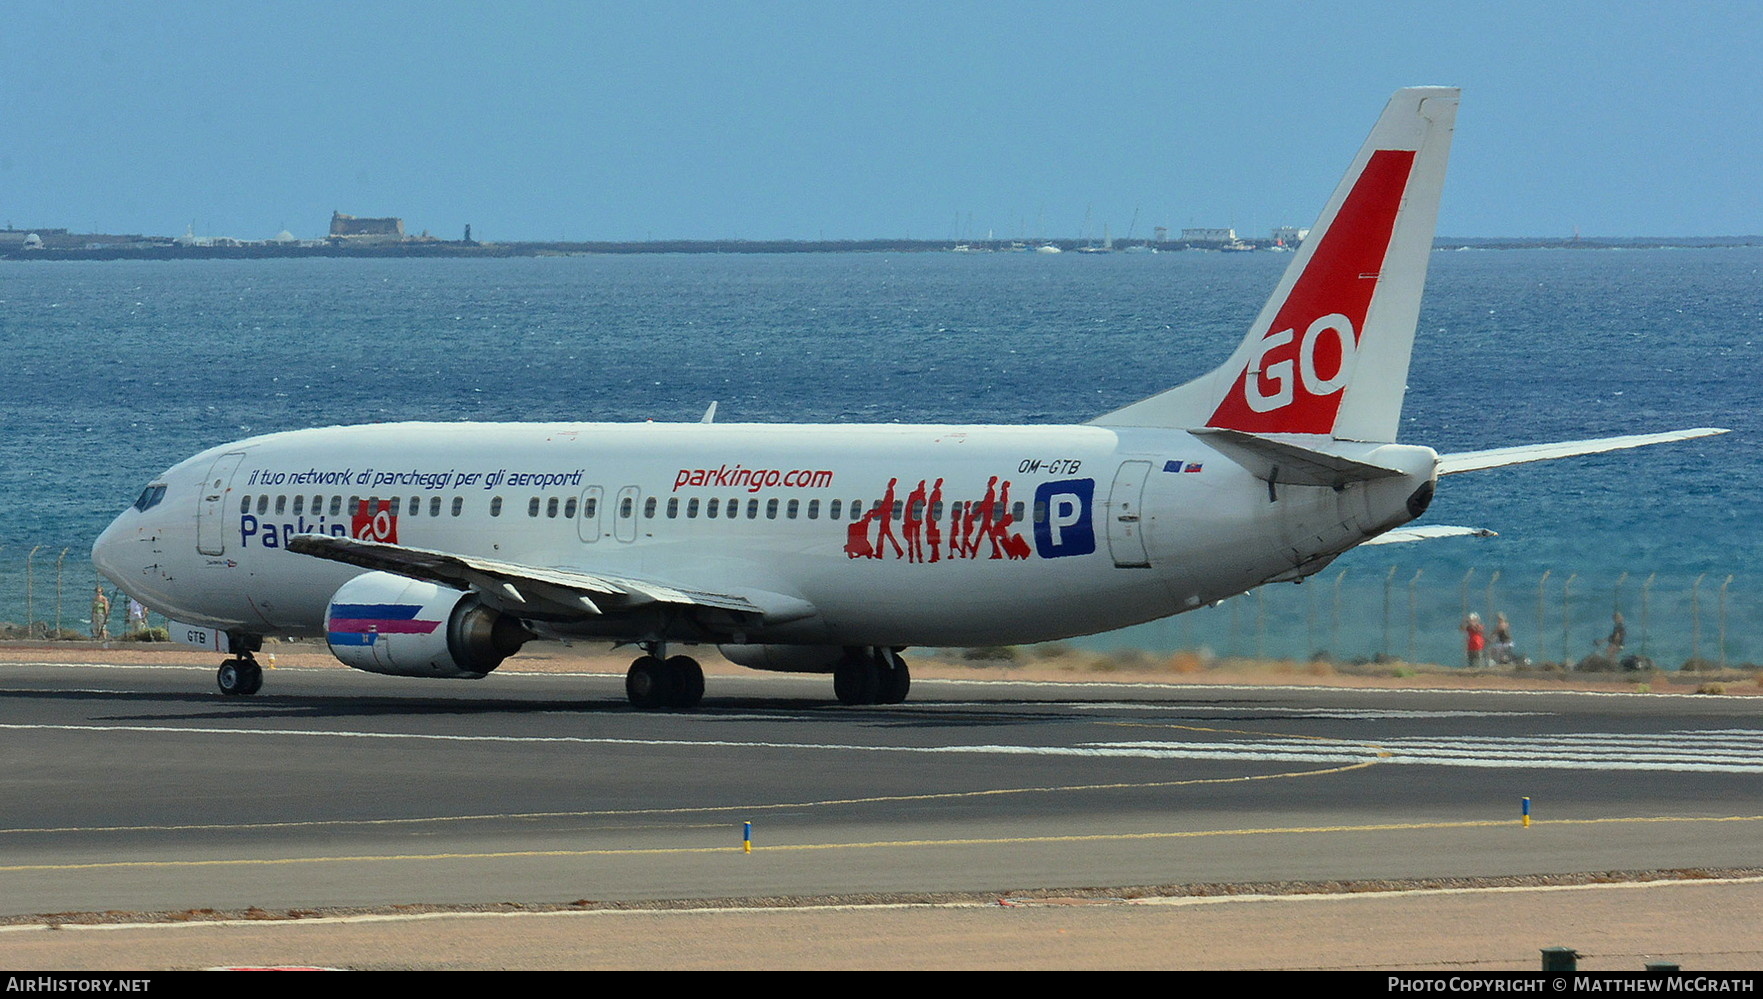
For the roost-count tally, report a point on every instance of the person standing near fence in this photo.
(1503, 650)
(1618, 637)
(100, 615)
(1475, 640)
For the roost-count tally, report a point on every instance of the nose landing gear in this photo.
(240, 677)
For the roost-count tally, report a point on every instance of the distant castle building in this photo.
(1208, 235)
(1290, 235)
(354, 230)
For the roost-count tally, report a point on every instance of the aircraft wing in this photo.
(543, 591)
(1402, 534)
(1472, 461)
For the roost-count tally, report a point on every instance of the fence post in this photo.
(1412, 614)
(1696, 620)
(1566, 620)
(1646, 608)
(1334, 623)
(1260, 626)
(30, 602)
(1542, 617)
(1310, 621)
(1723, 587)
(1389, 577)
(59, 559)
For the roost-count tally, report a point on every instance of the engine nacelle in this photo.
(385, 623)
(784, 658)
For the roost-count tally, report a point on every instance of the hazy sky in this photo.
(533, 119)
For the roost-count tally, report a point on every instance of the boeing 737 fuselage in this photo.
(438, 549)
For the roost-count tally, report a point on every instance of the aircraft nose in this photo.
(106, 551)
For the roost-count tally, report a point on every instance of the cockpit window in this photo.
(150, 497)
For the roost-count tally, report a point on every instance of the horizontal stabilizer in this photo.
(1296, 459)
(1471, 461)
(1403, 534)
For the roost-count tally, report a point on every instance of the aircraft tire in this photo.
(685, 682)
(238, 678)
(856, 679)
(895, 679)
(648, 683)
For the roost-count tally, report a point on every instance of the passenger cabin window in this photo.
(832, 512)
(752, 509)
(496, 506)
(649, 508)
(734, 508)
(458, 505)
(626, 508)
(551, 507)
(771, 509)
(435, 507)
(794, 506)
(591, 508)
(299, 504)
(281, 505)
(713, 508)
(692, 508)
(813, 509)
(532, 507)
(244, 504)
(672, 508)
(569, 509)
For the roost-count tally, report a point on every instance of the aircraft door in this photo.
(624, 514)
(589, 524)
(1126, 529)
(211, 511)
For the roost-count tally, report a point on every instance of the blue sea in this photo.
(115, 370)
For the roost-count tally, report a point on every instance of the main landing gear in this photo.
(240, 677)
(871, 676)
(657, 680)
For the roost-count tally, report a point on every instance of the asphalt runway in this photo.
(138, 789)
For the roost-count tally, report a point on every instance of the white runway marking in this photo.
(1711, 751)
(1718, 751)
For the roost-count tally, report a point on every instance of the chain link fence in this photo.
(50, 593)
(1393, 614)
(1556, 617)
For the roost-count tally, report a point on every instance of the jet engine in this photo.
(384, 623)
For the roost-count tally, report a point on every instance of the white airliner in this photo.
(437, 549)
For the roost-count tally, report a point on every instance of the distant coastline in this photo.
(73, 246)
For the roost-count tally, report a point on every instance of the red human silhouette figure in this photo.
(913, 523)
(885, 515)
(932, 536)
(1013, 545)
(857, 538)
(988, 520)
